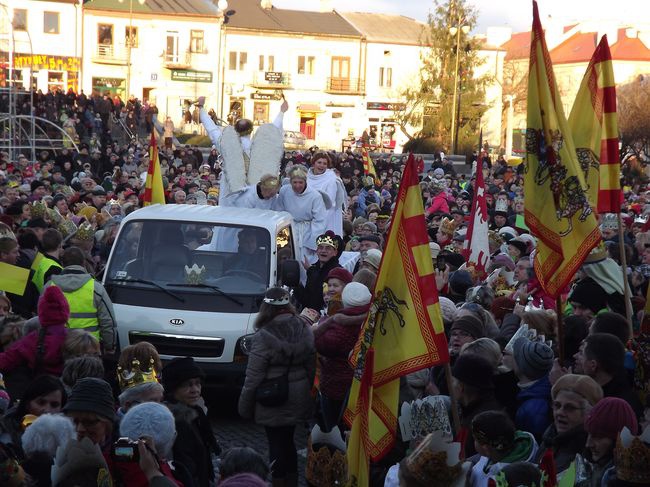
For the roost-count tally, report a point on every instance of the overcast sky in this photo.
(514, 13)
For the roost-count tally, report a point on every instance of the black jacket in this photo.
(311, 294)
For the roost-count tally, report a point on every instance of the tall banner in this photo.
(594, 126)
(368, 165)
(153, 188)
(476, 247)
(557, 208)
(402, 334)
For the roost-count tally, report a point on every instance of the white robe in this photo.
(332, 186)
(248, 198)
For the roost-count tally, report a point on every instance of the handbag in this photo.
(274, 392)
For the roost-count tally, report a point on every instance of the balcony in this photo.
(274, 80)
(177, 59)
(110, 54)
(345, 86)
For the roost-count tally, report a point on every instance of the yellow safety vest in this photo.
(83, 313)
(39, 273)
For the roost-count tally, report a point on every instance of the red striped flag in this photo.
(153, 188)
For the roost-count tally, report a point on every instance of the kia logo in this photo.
(177, 322)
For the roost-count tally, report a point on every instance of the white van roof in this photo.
(213, 214)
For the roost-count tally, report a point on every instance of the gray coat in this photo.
(285, 338)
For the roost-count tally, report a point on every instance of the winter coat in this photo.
(284, 344)
(487, 402)
(438, 204)
(534, 407)
(334, 345)
(524, 450)
(620, 387)
(565, 445)
(195, 443)
(74, 277)
(24, 351)
(311, 294)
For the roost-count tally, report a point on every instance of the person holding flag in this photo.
(154, 193)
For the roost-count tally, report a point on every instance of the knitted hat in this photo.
(243, 480)
(534, 359)
(519, 245)
(448, 308)
(504, 260)
(470, 325)
(178, 371)
(590, 294)
(370, 238)
(47, 433)
(474, 371)
(373, 258)
(434, 248)
(150, 419)
(53, 308)
(92, 395)
(583, 385)
(609, 417)
(355, 294)
(460, 282)
(341, 274)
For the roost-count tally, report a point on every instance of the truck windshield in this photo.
(234, 259)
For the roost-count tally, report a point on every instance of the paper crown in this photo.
(113, 202)
(54, 216)
(501, 206)
(502, 281)
(38, 209)
(86, 232)
(610, 222)
(494, 238)
(632, 457)
(424, 416)
(597, 254)
(136, 375)
(448, 225)
(641, 220)
(327, 465)
(435, 461)
(328, 238)
(67, 229)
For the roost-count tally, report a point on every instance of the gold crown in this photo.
(327, 240)
(85, 232)
(597, 254)
(67, 228)
(54, 215)
(633, 461)
(448, 225)
(39, 209)
(328, 465)
(127, 378)
(494, 238)
(113, 202)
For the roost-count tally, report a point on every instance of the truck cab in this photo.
(190, 279)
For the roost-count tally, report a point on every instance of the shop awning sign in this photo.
(192, 76)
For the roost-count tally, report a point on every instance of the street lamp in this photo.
(130, 39)
(455, 31)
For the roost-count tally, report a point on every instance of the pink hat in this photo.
(609, 416)
(53, 308)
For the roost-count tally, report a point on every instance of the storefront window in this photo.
(55, 80)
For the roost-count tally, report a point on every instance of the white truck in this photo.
(190, 280)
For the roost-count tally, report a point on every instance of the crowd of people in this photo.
(79, 409)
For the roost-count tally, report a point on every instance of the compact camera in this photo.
(125, 450)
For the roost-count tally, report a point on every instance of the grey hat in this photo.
(92, 395)
(534, 359)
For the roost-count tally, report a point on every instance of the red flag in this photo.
(476, 248)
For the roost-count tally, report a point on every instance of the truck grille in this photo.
(180, 345)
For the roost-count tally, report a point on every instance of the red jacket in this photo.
(334, 346)
(439, 204)
(24, 351)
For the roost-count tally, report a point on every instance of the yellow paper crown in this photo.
(135, 376)
(39, 209)
(448, 225)
(85, 232)
(327, 240)
(632, 457)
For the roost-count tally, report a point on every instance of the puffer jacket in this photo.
(334, 345)
(534, 408)
(25, 351)
(285, 343)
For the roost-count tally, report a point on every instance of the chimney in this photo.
(326, 6)
(266, 4)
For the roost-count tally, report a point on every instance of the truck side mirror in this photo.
(290, 273)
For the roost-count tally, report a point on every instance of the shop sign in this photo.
(193, 76)
(45, 61)
(109, 82)
(266, 96)
(385, 106)
(273, 76)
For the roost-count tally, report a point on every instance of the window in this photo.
(385, 77)
(20, 19)
(237, 61)
(196, 41)
(260, 112)
(131, 36)
(55, 81)
(269, 65)
(51, 22)
(105, 34)
(306, 64)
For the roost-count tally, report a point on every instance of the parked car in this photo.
(294, 139)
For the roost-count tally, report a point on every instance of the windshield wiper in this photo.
(214, 288)
(151, 283)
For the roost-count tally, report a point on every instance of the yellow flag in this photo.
(13, 279)
(557, 210)
(594, 126)
(153, 188)
(404, 328)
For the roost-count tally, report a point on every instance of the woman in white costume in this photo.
(321, 178)
(308, 210)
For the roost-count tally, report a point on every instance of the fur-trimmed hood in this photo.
(182, 412)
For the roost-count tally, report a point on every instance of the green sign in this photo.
(193, 76)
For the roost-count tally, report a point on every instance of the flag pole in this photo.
(560, 329)
(626, 285)
(455, 417)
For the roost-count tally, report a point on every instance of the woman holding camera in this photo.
(282, 351)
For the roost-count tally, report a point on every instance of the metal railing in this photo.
(351, 86)
(177, 58)
(110, 52)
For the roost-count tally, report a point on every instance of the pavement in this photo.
(232, 431)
